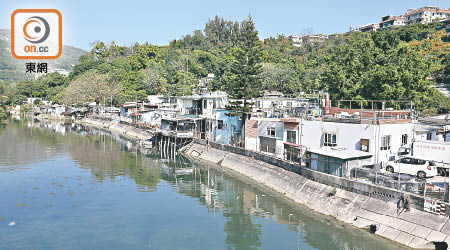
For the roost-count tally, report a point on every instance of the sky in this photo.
(158, 22)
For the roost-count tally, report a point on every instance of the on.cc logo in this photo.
(36, 34)
(39, 29)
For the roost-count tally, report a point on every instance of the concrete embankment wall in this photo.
(115, 127)
(348, 201)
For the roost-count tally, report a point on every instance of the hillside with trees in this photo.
(13, 70)
(399, 64)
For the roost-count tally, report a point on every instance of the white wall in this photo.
(252, 144)
(208, 111)
(279, 150)
(184, 104)
(349, 136)
(155, 99)
(151, 117)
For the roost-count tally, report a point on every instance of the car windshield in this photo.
(432, 163)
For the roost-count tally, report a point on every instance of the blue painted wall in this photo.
(232, 124)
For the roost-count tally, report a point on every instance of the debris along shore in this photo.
(414, 228)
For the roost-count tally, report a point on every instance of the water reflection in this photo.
(18, 146)
(250, 216)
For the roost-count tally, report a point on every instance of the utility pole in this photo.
(300, 139)
(187, 66)
(135, 113)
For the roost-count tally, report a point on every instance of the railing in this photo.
(356, 185)
(367, 116)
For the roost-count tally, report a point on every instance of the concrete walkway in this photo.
(415, 229)
(122, 129)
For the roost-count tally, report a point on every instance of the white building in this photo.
(276, 105)
(392, 22)
(381, 140)
(426, 14)
(299, 41)
(202, 104)
(265, 135)
(379, 133)
(157, 100)
(369, 27)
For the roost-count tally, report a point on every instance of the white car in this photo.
(412, 166)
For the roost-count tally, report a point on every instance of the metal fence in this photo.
(369, 181)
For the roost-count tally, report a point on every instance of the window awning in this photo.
(293, 145)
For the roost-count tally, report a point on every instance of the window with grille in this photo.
(385, 142)
(271, 131)
(404, 139)
(220, 124)
(292, 136)
(365, 145)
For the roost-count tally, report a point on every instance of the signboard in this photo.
(434, 207)
(432, 150)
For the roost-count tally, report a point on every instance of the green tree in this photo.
(143, 56)
(245, 68)
(100, 50)
(155, 81)
(2, 114)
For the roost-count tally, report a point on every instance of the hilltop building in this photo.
(299, 41)
(445, 25)
(426, 14)
(392, 22)
(369, 27)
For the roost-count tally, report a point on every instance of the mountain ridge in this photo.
(12, 69)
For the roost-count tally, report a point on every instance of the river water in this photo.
(74, 187)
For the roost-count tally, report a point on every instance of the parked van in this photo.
(412, 166)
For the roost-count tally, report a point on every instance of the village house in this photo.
(299, 41)
(378, 132)
(202, 104)
(392, 22)
(337, 161)
(426, 14)
(180, 127)
(265, 135)
(156, 100)
(54, 109)
(292, 147)
(135, 112)
(202, 108)
(228, 127)
(276, 105)
(369, 27)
